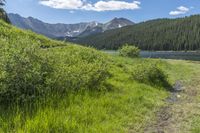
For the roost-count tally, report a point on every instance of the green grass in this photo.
(188, 71)
(128, 106)
(196, 119)
(73, 89)
(181, 70)
(195, 125)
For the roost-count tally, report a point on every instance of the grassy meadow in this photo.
(48, 86)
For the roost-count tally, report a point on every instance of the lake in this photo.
(195, 56)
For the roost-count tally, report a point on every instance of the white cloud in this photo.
(110, 5)
(63, 4)
(179, 11)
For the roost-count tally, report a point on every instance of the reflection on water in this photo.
(172, 55)
(195, 56)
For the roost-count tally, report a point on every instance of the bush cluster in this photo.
(29, 72)
(150, 73)
(23, 71)
(129, 51)
(77, 68)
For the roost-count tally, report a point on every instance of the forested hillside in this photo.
(160, 34)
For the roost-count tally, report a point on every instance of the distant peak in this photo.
(118, 19)
(14, 14)
(30, 17)
(121, 20)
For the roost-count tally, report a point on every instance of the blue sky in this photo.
(74, 11)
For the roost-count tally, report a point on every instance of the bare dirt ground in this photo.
(182, 106)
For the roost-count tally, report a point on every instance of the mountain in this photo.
(66, 30)
(50, 30)
(91, 31)
(117, 23)
(113, 24)
(160, 34)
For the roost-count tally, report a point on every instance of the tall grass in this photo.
(128, 105)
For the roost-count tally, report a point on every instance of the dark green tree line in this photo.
(161, 34)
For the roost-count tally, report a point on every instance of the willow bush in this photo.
(150, 73)
(29, 71)
(129, 51)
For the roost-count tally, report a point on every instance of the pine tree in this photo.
(3, 14)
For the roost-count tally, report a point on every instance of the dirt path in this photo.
(181, 108)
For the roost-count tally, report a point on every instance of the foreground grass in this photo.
(189, 73)
(196, 127)
(128, 105)
(181, 113)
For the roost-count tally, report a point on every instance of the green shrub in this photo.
(78, 68)
(23, 71)
(150, 73)
(129, 51)
(29, 72)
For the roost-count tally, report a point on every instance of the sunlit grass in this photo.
(128, 105)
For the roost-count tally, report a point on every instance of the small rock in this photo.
(178, 96)
(178, 86)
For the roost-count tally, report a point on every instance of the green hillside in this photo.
(160, 34)
(48, 86)
(11, 34)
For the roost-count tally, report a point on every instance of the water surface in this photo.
(195, 56)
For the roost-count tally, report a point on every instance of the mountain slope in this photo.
(117, 23)
(12, 34)
(160, 34)
(66, 30)
(49, 30)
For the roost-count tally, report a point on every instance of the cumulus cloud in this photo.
(179, 11)
(110, 5)
(63, 4)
